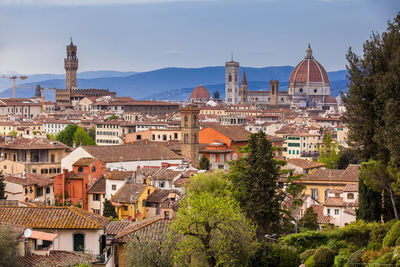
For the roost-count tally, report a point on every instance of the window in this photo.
(234, 156)
(336, 211)
(47, 190)
(39, 192)
(164, 137)
(162, 184)
(328, 211)
(326, 194)
(93, 169)
(315, 90)
(52, 158)
(166, 215)
(79, 242)
(80, 169)
(95, 211)
(314, 194)
(114, 187)
(33, 170)
(125, 208)
(175, 135)
(96, 197)
(139, 137)
(350, 196)
(26, 190)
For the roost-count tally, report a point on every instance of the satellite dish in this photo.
(27, 232)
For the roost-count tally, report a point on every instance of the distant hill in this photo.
(175, 83)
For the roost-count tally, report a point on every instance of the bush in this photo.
(306, 254)
(357, 233)
(275, 255)
(306, 240)
(386, 259)
(370, 255)
(310, 262)
(355, 258)
(392, 235)
(341, 259)
(324, 257)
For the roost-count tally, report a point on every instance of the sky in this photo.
(143, 35)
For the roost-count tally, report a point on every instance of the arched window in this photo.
(80, 169)
(79, 242)
(93, 169)
(229, 77)
(301, 90)
(234, 156)
(315, 90)
(350, 196)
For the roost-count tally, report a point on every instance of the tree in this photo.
(348, 156)
(204, 163)
(310, 220)
(216, 94)
(373, 99)
(13, 133)
(8, 246)
(81, 138)
(378, 176)
(255, 184)
(213, 231)
(369, 203)
(328, 152)
(2, 186)
(149, 253)
(108, 209)
(66, 136)
(92, 133)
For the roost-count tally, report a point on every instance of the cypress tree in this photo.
(109, 210)
(2, 186)
(369, 203)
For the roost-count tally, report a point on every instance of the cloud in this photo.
(87, 2)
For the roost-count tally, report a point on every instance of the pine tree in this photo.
(108, 209)
(369, 203)
(204, 163)
(255, 179)
(309, 220)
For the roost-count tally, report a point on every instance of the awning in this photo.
(43, 236)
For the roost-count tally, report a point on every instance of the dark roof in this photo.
(99, 187)
(160, 195)
(52, 217)
(129, 192)
(131, 152)
(151, 229)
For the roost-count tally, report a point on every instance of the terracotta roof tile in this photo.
(99, 187)
(52, 217)
(35, 143)
(165, 174)
(55, 258)
(350, 211)
(334, 202)
(351, 188)
(128, 193)
(305, 164)
(84, 162)
(234, 132)
(116, 227)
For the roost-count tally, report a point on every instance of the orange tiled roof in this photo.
(128, 193)
(52, 217)
(351, 188)
(305, 164)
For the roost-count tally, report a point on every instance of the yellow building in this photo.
(130, 200)
(319, 183)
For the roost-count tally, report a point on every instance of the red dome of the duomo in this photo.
(308, 71)
(200, 92)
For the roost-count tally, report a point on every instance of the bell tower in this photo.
(273, 92)
(232, 83)
(190, 133)
(243, 90)
(71, 66)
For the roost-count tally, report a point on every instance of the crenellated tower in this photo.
(71, 66)
(190, 133)
(232, 83)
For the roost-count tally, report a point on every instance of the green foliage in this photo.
(81, 138)
(306, 240)
(378, 233)
(392, 235)
(369, 203)
(8, 246)
(51, 136)
(310, 220)
(213, 230)
(386, 259)
(2, 186)
(355, 258)
(310, 262)
(13, 133)
(328, 153)
(348, 156)
(204, 163)
(255, 186)
(149, 253)
(324, 257)
(306, 254)
(92, 133)
(113, 117)
(66, 136)
(108, 209)
(356, 233)
(341, 259)
(215, 183)
(273, 255)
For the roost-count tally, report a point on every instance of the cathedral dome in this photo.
(200, 93)
(308, 71)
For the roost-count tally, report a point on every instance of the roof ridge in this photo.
(80, 214)
(141, 226)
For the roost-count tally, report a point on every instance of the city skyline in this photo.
(135, 35)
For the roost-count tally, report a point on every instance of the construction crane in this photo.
(13, 77)
(45, 88)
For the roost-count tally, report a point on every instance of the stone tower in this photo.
(243, 90)
(232, 96)
(71, 66)
(273, 92)
(190, 133)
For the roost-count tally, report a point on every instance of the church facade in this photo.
(308, 86)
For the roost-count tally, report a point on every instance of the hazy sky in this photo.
(140, 35)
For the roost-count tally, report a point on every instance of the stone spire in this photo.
(243, 90)
(309, 52)
(244, 81)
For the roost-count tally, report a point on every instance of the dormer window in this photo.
(80, 169)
